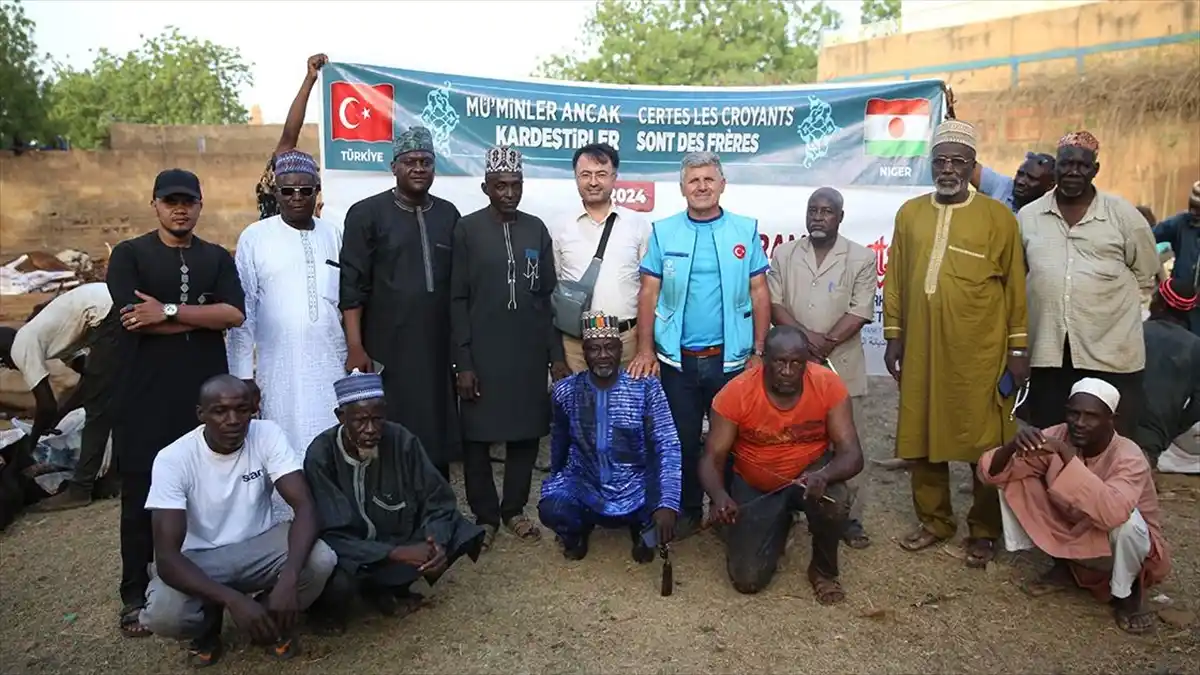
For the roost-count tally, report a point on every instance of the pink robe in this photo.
(1068, 510)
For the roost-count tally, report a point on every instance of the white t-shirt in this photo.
(59, 330)
(227, 497)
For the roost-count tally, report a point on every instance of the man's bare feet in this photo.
(1131, 614)
(1058, 578)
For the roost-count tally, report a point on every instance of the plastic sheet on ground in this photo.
(59, 453)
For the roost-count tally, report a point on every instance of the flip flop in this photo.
(919, 540)
(131, 623)
(980, 552)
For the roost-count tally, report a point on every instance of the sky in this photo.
(497, 38)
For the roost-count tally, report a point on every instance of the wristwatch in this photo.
(170, 311)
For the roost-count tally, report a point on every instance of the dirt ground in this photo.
(523, 609)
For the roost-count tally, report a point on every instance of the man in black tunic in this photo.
(395, 295)
(176, 294)
(389, 515)
(504, 341)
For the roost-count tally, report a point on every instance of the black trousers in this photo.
(756, 541)
(137, 542)
(99, 375)
(1049, 389)
(519, 457)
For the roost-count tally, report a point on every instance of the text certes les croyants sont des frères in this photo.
(737, 135)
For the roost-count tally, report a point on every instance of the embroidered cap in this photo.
(1080, 139)
(503, 159)
(295, 161)
(1102, 390)
(597, 325)
(358, 387)
(415, 139)
(955, 131)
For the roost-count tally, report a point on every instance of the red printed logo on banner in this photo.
(361, 112)
(634, 195)
(881, 252)
(739, 251)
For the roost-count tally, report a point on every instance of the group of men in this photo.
(445, 324)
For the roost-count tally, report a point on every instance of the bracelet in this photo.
(1018, 352)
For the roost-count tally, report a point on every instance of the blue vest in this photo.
(677, 240)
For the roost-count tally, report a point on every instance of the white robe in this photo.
(292, 326)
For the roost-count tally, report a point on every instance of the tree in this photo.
(170, 79)
(698, 42)
(22, 82)
(874, 11)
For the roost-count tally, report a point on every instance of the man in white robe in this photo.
(291, 343)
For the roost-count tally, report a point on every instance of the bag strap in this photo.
(608, 226)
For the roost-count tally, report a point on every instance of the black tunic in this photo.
(400, 276)
(366, 509)
(502, 324)
(159, 383)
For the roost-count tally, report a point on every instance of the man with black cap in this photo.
(395, 295)
(176, 295)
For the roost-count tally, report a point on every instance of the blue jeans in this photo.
(690, 393)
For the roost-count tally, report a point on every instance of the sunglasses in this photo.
(305, 191)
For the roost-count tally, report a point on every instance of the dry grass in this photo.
(523, 609)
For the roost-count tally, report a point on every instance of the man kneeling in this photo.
(388, 513)
(1085, 495)
(210, 498)
(781, 420)
(614, 453)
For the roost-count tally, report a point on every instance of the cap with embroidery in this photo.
(503, 159)
(596, 325)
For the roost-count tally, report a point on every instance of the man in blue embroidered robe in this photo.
(390, 516)
(614, 453)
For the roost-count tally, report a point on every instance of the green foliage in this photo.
(874, 11)
(170, 79)
(22, 83)
(698, 42)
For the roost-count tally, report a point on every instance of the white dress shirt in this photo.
(619, 280)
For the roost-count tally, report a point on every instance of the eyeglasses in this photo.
(306, 191)
(958, 163)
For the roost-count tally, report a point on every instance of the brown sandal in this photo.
(523, 528)
(827, 591)
(919, 540)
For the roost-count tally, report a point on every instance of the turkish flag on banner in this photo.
(361, 112)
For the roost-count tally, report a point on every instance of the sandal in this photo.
(855, 536)
(204, 653)
(131, 623)
(489, 537)
(1058, 578)
(919, 540)
(980, 552)
(523, 528)
(1136, 623)
(827, 591)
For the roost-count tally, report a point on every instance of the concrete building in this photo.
(988, 45)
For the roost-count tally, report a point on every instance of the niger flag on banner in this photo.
(897, 128)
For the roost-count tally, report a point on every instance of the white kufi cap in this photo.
(1102, 390)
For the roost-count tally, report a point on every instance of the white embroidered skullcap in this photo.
(502, 159)
(1102, 390)
(955, 131)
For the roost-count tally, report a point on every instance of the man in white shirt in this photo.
(214, 542)
(291, 343)
(69, 323)
(576, 241)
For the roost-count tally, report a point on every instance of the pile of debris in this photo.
(42, 272)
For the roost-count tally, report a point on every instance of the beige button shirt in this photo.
(59, 330)
(844, 283)
(619, 280)
(1085, 283)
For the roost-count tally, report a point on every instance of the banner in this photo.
(776, 145)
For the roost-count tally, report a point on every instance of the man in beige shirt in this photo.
(1090, 255)
(825, 285)
(576, 241)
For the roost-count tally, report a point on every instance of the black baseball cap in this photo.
(176, 182)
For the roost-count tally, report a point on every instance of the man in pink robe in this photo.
(1085, 496)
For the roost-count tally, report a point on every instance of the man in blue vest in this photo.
(703, 310)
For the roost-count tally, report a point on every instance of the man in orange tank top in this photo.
(789, 428)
